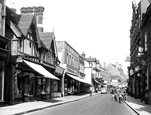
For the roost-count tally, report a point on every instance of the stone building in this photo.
(139, 70)
(73, 77)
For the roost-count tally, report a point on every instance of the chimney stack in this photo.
(83, 54)
(116, 65)
(38, 11)
(104, 65)
(120, 66)
(13, 9)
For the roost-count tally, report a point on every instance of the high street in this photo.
(100, 104)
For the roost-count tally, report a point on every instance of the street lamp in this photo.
(140, 52)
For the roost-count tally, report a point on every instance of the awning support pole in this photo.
(62, 84)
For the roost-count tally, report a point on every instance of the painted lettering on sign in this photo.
(72, 71)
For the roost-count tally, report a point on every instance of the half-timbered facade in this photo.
(32, 65)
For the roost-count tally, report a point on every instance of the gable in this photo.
(12, 21)
(25, 23)
(47, 38)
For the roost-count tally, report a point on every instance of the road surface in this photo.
(99, 104)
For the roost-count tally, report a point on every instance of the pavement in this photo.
(139, 107)
(135, 104)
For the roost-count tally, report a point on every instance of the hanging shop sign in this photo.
(137, 68)
(131, 72)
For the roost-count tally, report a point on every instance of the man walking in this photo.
(91, 91)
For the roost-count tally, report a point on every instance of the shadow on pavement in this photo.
(53, 101)
(138, 105)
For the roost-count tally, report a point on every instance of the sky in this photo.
(100, 28)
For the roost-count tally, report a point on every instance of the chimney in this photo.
(104, 65)
(83, 54)
(116, 65)
(13, 9)
(120, 66)
(38, 12)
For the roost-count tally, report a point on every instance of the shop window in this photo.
(26, 86)
(31, 85)
(38, 86)
(55, 86)
(17, 86)
(43, 87)
(48, 86)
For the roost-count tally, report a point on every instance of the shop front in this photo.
(4, 56)
(137, 82)
(32, 82)
(59, 71)
(131, 82)
(72, 84)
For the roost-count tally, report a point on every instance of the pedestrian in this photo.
(91, 91)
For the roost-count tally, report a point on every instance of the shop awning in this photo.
(41, 70)
(77, 78)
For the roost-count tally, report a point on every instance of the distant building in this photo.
(115, 74)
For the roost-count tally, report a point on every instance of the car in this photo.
(103, 91)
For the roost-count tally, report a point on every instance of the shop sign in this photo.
(72, 71)
(25, 74)
(137, 68)
(131, 72)
(59, 70)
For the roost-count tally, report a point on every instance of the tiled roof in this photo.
(12, 17)
(46, 38)
(25, 22)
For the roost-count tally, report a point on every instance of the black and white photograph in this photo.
(75, 57)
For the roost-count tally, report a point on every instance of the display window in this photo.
(31, 85)
(43, 86)
(47, 86)
(55, 86)
(26, 86)
(38, 86)
(18, 86)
